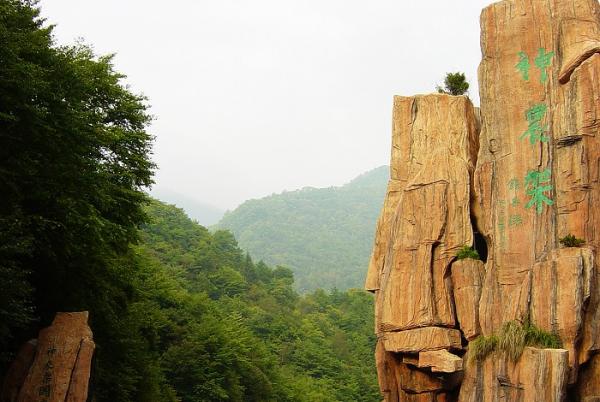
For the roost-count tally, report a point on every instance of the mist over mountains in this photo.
(202, 212)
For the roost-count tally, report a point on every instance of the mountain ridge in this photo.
(323, 234)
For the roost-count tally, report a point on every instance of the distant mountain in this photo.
(324, 235)
(205, 214)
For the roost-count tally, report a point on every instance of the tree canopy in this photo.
(454, 84)
(74, 159)
(228, 328)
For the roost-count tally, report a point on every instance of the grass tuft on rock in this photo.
(482, 346)
(535, 336)
(512, 339)
(467, 252)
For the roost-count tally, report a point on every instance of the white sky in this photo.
(256, 97)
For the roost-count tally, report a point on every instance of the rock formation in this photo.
(55, 367)
(513, 180)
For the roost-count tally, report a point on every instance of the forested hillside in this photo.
(231, 329)
(177, 313)
(324, 235)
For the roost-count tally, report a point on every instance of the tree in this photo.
(454, 84)
(74, 163)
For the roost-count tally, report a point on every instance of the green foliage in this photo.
(571, 241)
(535, 336)
(74, 158)
(482, 346)
(512, 338)
(324, 235)
(467, 252)
(243, 333)
(178, 313)
(454, 84)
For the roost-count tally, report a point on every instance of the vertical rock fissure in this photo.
(69, 386)
(479, 240)
(433, 248)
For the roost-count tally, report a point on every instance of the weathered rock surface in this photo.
(540, 375)
(424, 397)
(420, 339)
(415, 120)
(433, 155)
(404, 382)
(524, 171)
(467, 278)
(538, 174)
(56, 368)
(588, 384)
(535, 173)
(387, 365)
(432, 219)
(440, 361)
(417, 381)
(560, 291)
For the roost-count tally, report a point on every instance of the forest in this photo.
(178, 313)
(324, 235)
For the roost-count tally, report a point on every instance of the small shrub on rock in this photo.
(467, 252)
(571, 241)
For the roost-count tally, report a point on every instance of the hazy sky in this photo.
(256, 97)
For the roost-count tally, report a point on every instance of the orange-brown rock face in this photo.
(560, 291)
(434, 142)
(425, 220)
(60, 370)
(540, 375)
(588, 384)
(467, 278)
(537, 170)
(431, 134)
(535, 179)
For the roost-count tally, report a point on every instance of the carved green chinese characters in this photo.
(543, 61)
(515, 220)
(534, 117)
(536, 184)
(523, 65)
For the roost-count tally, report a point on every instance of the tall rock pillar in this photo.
(538, 168)
(425, 220)
(524, 175)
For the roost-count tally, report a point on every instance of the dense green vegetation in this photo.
(74, 158)
(239, 331)
(324, 235)
(178, 313)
